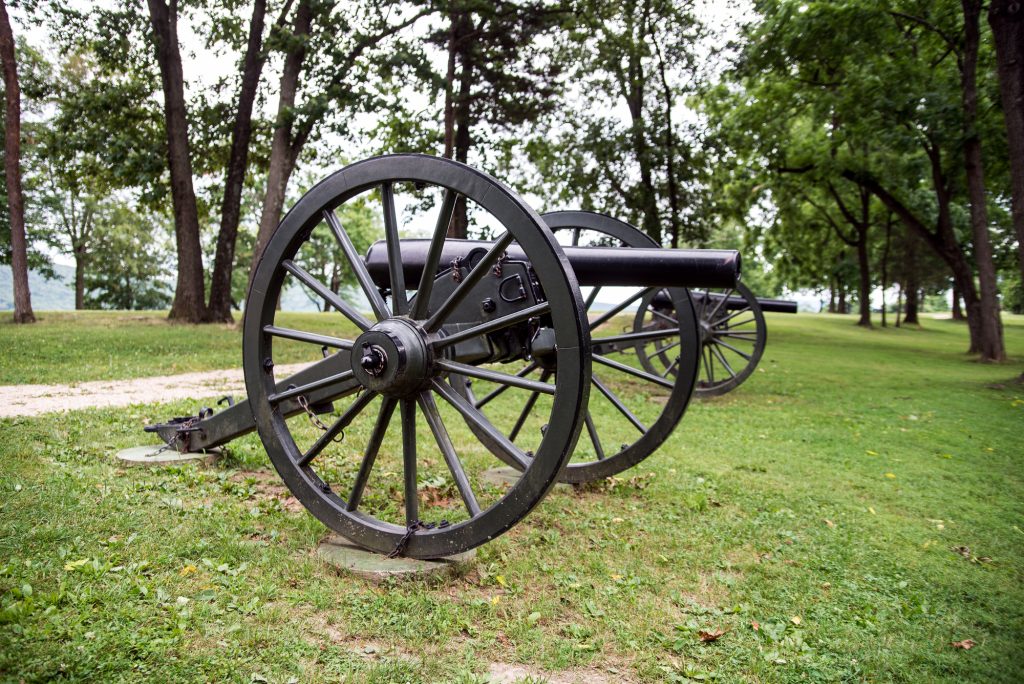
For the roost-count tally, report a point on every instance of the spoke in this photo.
(355, 260)
(312, 338)
(594, 439)
(309, 387)
(617, 308)
(494, 393)
(412, 495)
(591, 298)
(721, 359)
(662, 350)
(617, 403)
(669, 319)
(722, 299)
(444, 219)
(636, 336)
(491, 326)
(343, 422)
(387, 409)
(399, 300)
(494, 376)
(748, 335)
(643, 375)
(527, 407)
(733, 349)
(575, 237)
(476, 419)
(670, 367)
(329, 296)
(444, 442)
(733, 315)
(481, 269)
(705, 356)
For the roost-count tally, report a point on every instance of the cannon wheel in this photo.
(610, 457)
(412, 379)
(732, 339)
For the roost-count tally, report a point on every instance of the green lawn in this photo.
(847, 514)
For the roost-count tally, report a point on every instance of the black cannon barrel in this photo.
(608, 266)
(734, 303)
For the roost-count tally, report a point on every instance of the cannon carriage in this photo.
(450, 354)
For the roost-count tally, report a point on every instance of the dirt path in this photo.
(35, 400)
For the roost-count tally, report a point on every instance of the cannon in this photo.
(446, 354)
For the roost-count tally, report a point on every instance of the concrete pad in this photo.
(347, 557)
(505, 475)
(164, 455)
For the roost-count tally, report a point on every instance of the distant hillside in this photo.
(47, 295)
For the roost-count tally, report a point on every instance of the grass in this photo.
(846, 515)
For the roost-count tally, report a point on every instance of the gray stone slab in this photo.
(158, 455)
(505, 475)
(347, 557)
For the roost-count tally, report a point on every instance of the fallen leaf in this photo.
(187, 570)
(871, 453)
(756, 625)
(714, 635)
(891, 476)
(496, 600)
(966, 644)
(829, 523)
(795, 620)
(500, 579)
(872, 510)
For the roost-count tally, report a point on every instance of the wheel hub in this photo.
(392, 358)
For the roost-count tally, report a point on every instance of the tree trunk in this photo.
(842, 307)
(675, 224)
(885, 264)
(991, 347)
(864, 287)
(12, 171)
(912, 304)
(449, 84)
(241, 133)
(899, 305)
(462, 117)
(832, 297)
(282, 150)
(189, 294)
(957, 311)
(80, 258)
(1006, 17)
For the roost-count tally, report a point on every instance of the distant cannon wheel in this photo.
(631, 411)
(385, 471)
(733, 336)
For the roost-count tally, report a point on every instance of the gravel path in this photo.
(35, 400)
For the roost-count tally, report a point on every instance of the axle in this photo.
(594, 266)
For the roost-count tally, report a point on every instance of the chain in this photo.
(497, 266)
(315, 419)
(411, 530)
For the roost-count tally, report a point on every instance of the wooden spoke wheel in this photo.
(350, 444)
(631, 410)
(733, 336)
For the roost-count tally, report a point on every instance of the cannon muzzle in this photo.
(606, 266)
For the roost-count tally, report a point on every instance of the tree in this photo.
(635, 56)
(327, 59)
(1006, 17)
(900, 121)
(497, 74)
(12, 169)
(130, 271)
(189, 298)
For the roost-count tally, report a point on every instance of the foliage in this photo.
(130, 265)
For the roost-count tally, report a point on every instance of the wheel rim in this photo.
(405, 321)
(634, 430)
(733, 336)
